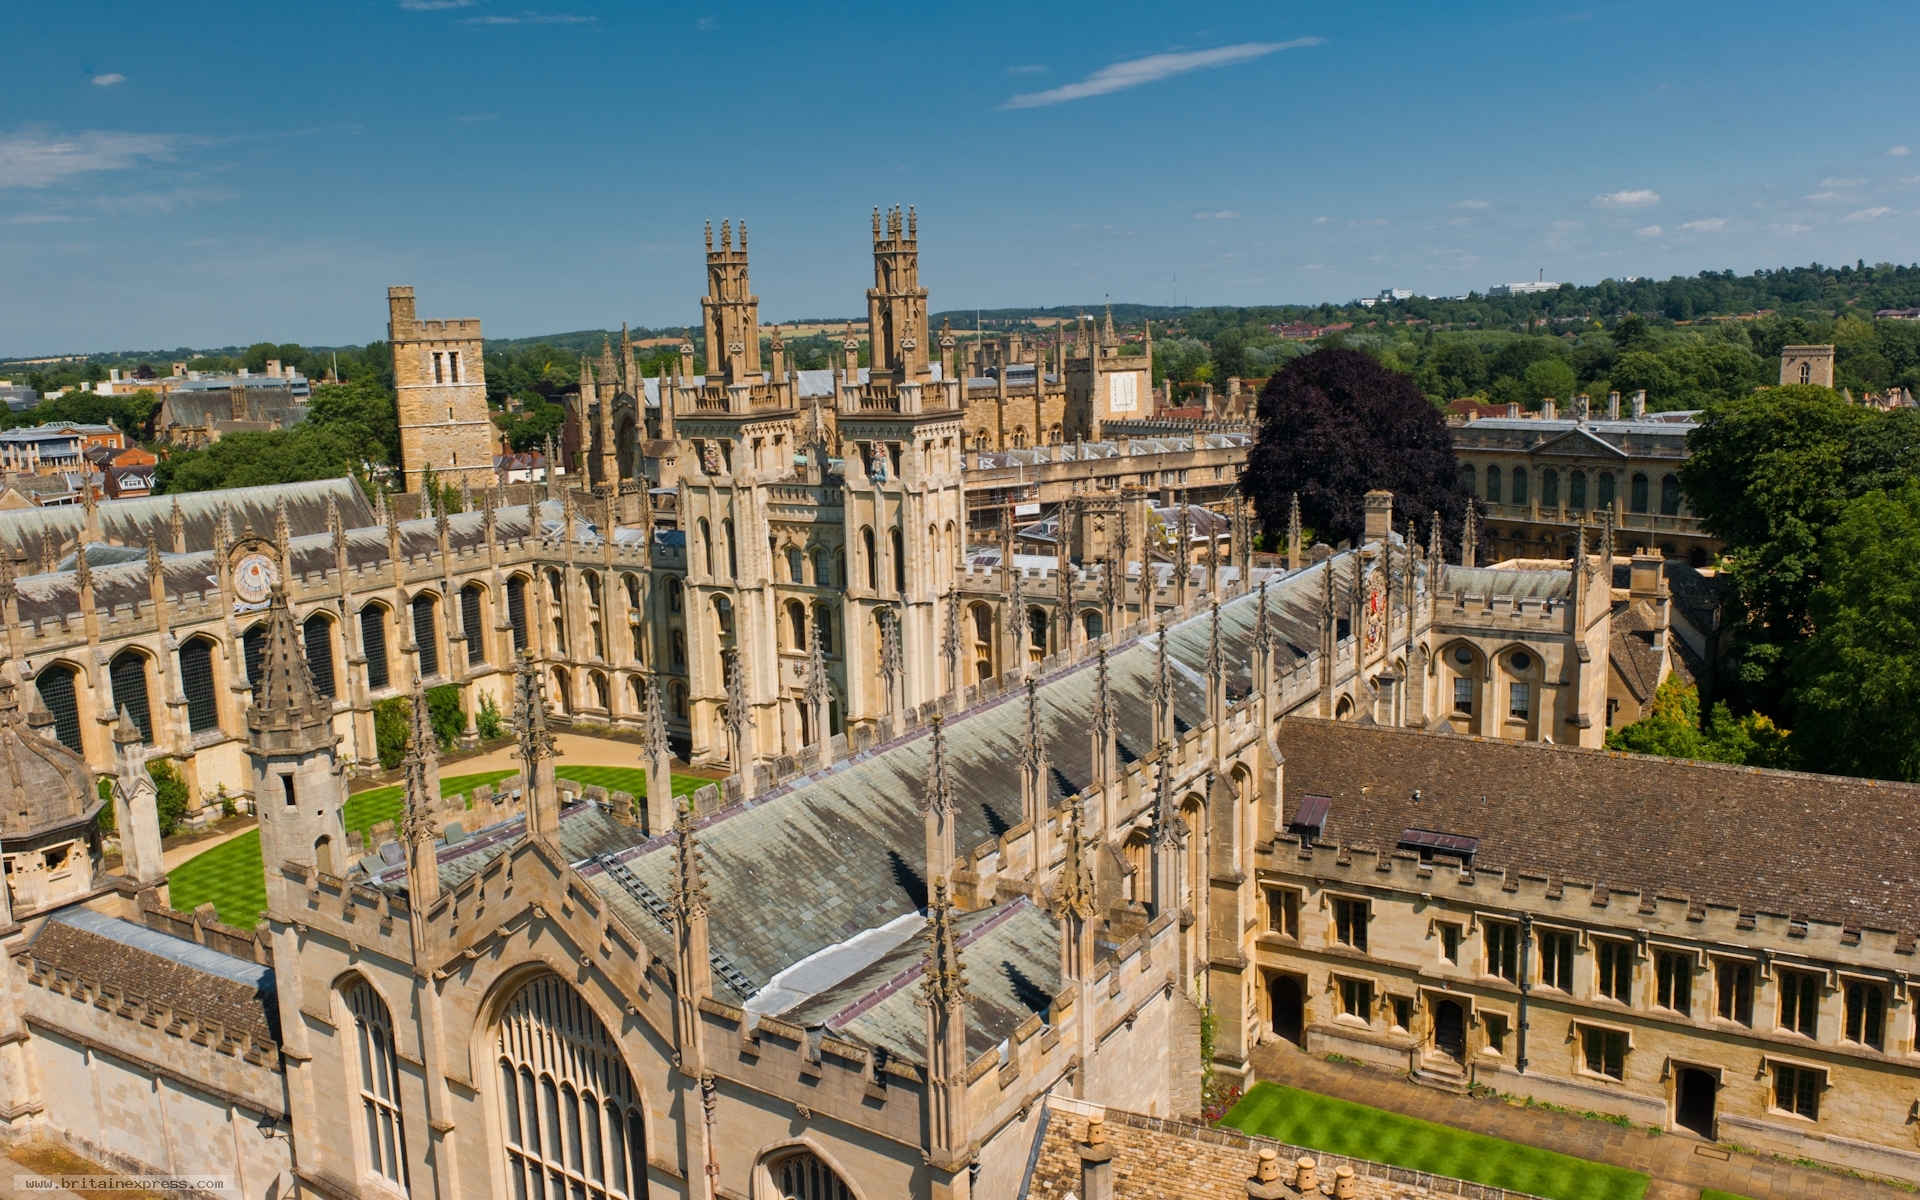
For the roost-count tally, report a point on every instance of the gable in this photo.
(1580, 443)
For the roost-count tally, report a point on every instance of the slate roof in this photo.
(130, 521)
(165, 971)
(1815, 847)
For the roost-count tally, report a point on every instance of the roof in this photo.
(131, 521)
(165, 971)
(44, 787)
(1812, 847)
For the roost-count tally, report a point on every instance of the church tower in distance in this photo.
(440, 380)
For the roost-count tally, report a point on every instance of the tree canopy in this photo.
(1337, 424)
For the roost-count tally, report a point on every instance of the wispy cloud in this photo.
(707, 23)
(1638, 198)
(1028, 69)
(1793, 229)
(109, 79)
(1706, 224)
(1321, 220)
(1869, 214)
(433, 5)
(1648, 231)
(1837, 182)
(1471, 204)
(32, 159)
(1826, 196)
(1898, 152)
(1153, 68)
(37, 219)
(533, 18)
(1222, 215)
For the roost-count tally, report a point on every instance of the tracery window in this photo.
(804, 1177)
(569, 1107)
(384, 1152)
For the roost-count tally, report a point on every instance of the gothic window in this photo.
(675, 594)
(983, 624)
(1493, 485)
(1606, 489)
(805, 1177)
(58, 693)
(706, 544)
(1020, 437)
(797, 623)
(373, 640)
(426, 636)
(570, 1108)
(128, 674)
(1092, 625)
(632, 583)
(253, 645)
(1577, 490)
(677, 700)
(316, 633)
(1466, 478)
(823, 621)
(601, 695)
(980, 442)
(1806, 372)
(517, 611)
(822, 572)
(1054, 436)
(196, 679)
(1637, 494)
(679, 648)
(1550, 488)
(1037, 633)
(899, 559)
(1519, 485)
(733, 559)
(796, 568)
(562, 690)
(472, 624)
(384, 1152)
(873, 560)
(1669, 495)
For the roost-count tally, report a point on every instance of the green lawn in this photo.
(1711, 1194)
(1339, 1127)
(230, 874)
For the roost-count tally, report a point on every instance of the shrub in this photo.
(488, 721)
(171, 794)
(390, 720)
(448, 718)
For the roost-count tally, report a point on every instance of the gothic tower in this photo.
(290, 746)
(441, 385)
(896, 303)
(730, 311)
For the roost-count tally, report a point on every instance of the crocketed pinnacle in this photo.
(938, 795)
(943, 979)
(288, 713)
(687, 890)
(416, 820)
(530, 714)
(1073, 895)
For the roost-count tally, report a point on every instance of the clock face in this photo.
(253, 578)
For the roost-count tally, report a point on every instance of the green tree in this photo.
(391, 718)
(363, 410)
(448, 718)
(254, 459)
(1857, 681)
(1551, 377)
(1632, 333)
(1230, 356)
(170, 794)
(1673, 728)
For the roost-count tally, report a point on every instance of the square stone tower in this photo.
(1806, 364)
(440, 379)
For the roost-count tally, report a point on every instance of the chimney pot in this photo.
(1303, 1176)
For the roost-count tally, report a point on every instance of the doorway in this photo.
(1289, 1007)
(1693, 1100)
(1450, 1029)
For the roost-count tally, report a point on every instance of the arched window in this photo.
(1669, 495)
(196, 680)
(1806, 372)
(1054, 436)
(1037, 633)
(373, 642)
(601, 695)
(804, 1177)
(128, 674)
(632, 583)
(706, 545)
(62, 698)
(1092, 624)
(571, 1112)
(473, 624)
(426, 635)
(1550, 488)
(679, 648)
(1577, 490)
(733, 558)
(873, 559)
(823, 621)
(1493, 485)
(677, 700)
(723, 615)
(384, 1151)
(796, 565)
(982, 624)
(1135, 853)
(639, 685)
(562, 690)
(899, 546)
(839, 568)
(822, 569)
(316, 633)
(253, 645)
(676, 594)
(1637, 493)
(517, 611)
(1519, 485)
(1467, 479)
(1606, 489)
(1020, 437)
(797, 623)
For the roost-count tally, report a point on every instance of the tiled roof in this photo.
(1813, 847)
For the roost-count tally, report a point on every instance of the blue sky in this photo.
(213, 173)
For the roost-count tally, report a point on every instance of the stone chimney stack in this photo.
(1613, 406)
(1549, 409)
(1640, 405)
(1096, 1161)
(1265, 1183)
(1379, 519)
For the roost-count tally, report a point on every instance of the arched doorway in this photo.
(1450, 1029)
(1289, 1007)
(1693, 1100)
(569, 1109)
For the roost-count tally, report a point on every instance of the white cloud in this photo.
(109, 79)
(1793, 229)
(540, 18)
(33, 159)
(1868, 214)
(1151, 69)
(1837, 182)
(1459, 221)
(37, 219)
(433, 5)
(1028, 69)
(1898, 152)
(1648, 231)
(1640, 198)
(1706, 225)
(1826, 196)
(1223, 215)
(1321, 220)
(1472, 204)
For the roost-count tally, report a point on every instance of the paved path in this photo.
(173, 856)
(1679, 1164)
(569, 748)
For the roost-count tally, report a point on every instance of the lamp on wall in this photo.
(269, 1126)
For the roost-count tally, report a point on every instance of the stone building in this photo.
(439, 379)
(1807, 364)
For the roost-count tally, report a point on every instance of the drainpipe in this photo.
(1520, 1031)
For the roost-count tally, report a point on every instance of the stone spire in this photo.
(1262, 628)
(943, 992)
(1033, 777)
(659, 757)
(420, 788)
(936, 805)
(693, 960)
(950, 645)
(815, 688)
(738, 719)
(535, 750)
(288, 713)
(1074, 895)
(1434, 553)
(1469, 547)
(1182, 547)
(1162, 688)
(1104, 722)
(891, 667)
(1296, 556)
(177, 526)
(1165, 835)
(1017, 601)
(136, 805)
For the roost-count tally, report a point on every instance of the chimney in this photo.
(1582, 407)
(1613, 406)
(1379, 518)
(1304, 1178)
(1549, 409)
(1096, 1161)
(1343, 1185)
(1265, 1184)
(1640, 405)
(1513, 410)
(273, 368)
(1646, 579)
